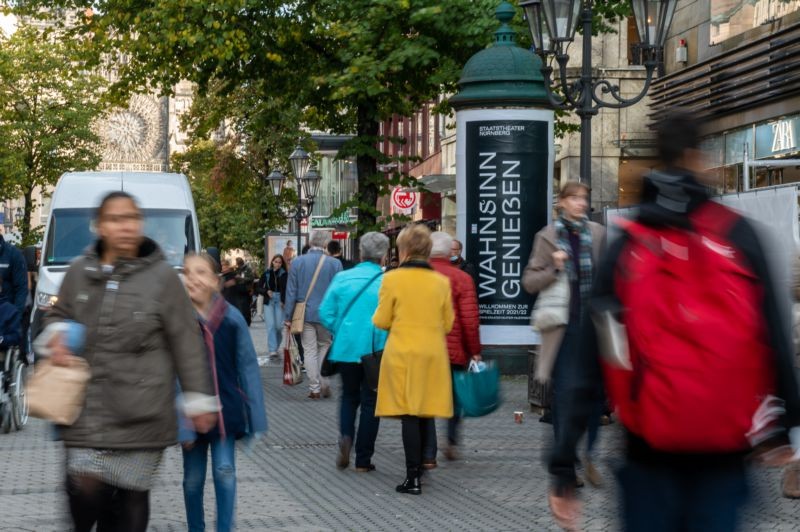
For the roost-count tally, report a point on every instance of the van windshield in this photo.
(71, 231)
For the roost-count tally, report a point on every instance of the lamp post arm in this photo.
(606, 87)
(561, 102)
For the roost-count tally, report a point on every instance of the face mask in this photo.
(454, 258)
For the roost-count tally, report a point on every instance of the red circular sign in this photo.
(403, 199)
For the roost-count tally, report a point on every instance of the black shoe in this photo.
(411, 484)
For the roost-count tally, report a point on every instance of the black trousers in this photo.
(92, 501)
(415, 432)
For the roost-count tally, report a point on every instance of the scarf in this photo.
(584, 276)
(209, 326)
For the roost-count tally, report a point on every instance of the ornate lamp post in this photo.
(553, 23)
(307, 179)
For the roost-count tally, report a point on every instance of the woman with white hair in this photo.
(346, 311)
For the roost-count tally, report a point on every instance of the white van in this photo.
(169, 219)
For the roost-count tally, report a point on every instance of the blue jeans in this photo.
(194, 477)
(273, 320)
(661, 498)
(355, 394)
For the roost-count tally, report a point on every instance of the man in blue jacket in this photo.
(14, 275)
(315, 337)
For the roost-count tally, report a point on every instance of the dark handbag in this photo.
(372, 367)
(329, 368)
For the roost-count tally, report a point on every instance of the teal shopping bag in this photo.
(477, 390)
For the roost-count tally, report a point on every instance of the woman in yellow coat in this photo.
(414, 305)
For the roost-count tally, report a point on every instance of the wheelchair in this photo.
(13, 403)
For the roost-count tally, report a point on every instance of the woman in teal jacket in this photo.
(346, 311)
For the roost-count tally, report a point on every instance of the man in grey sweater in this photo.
(315, 338)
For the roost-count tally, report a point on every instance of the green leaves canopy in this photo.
(48, 102)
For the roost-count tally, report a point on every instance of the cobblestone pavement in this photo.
(289, 481)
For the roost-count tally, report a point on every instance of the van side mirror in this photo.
(29, 253)
(214, 253)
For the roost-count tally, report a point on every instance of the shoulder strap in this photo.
(360, 292)
(714, 218)
(314, 279)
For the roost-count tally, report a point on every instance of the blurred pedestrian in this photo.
(309, 278)
(335, 251)
(570, 246)
(289, 252)
(790, 484)
(237, 382)
(273, 287)
(346, 311)
(141, 332)
(241, 289)
(460, 262)
(415, 305)
(708, 344)
(463, 341)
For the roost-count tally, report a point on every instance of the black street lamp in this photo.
(307, 180)
(553, 24)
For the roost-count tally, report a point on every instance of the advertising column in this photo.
(504, 188)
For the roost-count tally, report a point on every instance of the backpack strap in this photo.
(714, 218)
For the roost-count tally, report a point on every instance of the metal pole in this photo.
(298, 217)
(586, 111)
(746, 166)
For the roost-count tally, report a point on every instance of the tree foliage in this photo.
(265, 67)
(48, 102)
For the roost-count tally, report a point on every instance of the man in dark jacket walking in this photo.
(14, 274)
(701, 488)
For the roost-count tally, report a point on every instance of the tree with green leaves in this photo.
(342, 66)
(48, 103)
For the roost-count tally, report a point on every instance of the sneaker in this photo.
(365, 469)
(263, 361)
(326, 392)
(343, 456)
(273, 354)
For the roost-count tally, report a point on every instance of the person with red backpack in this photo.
(692, 339)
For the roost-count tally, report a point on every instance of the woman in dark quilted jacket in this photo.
(464, 340)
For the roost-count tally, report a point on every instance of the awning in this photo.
(439, 183)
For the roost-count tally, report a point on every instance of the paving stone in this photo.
(289, 481)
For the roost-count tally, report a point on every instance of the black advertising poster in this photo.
(506, 183)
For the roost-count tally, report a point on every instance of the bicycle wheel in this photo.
(19, 401)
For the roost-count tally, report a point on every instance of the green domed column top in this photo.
(503, 75)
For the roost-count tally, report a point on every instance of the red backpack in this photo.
(697, 336)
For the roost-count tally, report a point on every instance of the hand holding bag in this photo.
(551, 309)
(57, 393)
(299, 312)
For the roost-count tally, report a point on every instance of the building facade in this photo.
(732, 64)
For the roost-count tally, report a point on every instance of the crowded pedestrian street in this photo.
(289, 480)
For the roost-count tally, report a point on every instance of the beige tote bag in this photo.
(57, 393)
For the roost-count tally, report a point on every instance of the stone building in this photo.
(733, 64)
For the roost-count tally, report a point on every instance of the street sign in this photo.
(403, 199)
